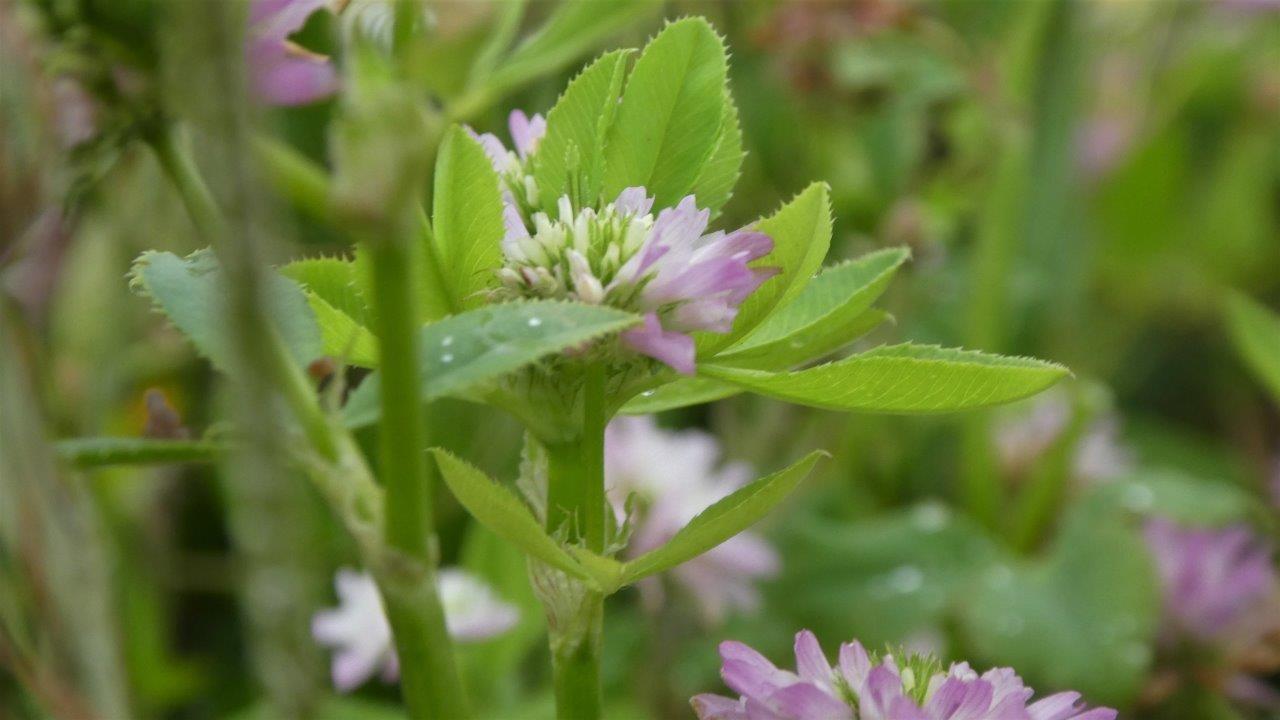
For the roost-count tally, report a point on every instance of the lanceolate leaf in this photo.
(826, 314)
(728, 517)
(468, 218)
(802, 348)
(191, 292)
(1255, 330)
(719, 174)
(902, 379)
(668, 122)
(801, 233)
(464, 350)
(570, 157)
(495, 507)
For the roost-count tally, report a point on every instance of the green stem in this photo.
(576, 500)
(296, 177)
(181, 168)
(575, 667)
(432, 685)
(90, 452)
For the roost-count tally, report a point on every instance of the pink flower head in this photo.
(674, 476)
(281, 72)
(1210, 577)
(360, 634)
(668, 269)
(878, 688)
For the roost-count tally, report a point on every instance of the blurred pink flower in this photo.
(1210, 577)
(674, 476)
(360, 634)
(281, 72)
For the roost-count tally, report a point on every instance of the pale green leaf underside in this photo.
(679, 393)
(190, 291)
(1255, 330)
(570, 157)
(801, 234)
(830, 305)
(498, 509)
(902, 379)
(464, 350)
(726, 518)
(468, 219)
(670, 114)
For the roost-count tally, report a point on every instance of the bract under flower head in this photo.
(866, 687)
(1209, 577)
(665, 267)
(675, 476)
(360, 634)
(281, 72)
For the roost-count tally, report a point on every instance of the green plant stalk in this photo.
(88, 452)
(576, 501)
(432, 685)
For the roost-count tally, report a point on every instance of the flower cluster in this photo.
(664, 267)
(1210, 578)
(674, 477)
(360, 633)
(876, 688)
(283, 73)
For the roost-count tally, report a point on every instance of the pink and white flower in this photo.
(667, 267)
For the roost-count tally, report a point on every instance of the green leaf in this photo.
(468, 219)
(334, 292)
(573, 29)
(1085, 618)
(902, 379)
(570, 157)
(670, 114)
(825, 315)
(726, 518)
(718, 176)
(190, 291)
(801, 233)
(682, 392)
(495, 507)
(332, 280)
(464, 350)
(1255, 330)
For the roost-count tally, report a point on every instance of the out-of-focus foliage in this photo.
(1082, 181)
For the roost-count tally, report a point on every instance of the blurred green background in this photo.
(1078, 181)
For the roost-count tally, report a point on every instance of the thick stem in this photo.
(575, 667)
(431, 684)
(576, 500)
